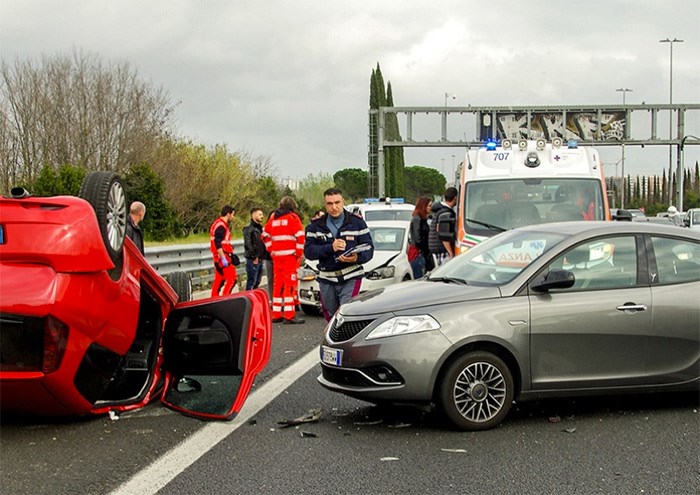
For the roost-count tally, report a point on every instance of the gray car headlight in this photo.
(380, 273)
(401, 325)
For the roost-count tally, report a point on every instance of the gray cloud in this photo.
(290, 79)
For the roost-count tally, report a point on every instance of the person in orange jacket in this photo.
(283, 236)
(221, 246)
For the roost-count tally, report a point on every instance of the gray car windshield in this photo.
(498, 260)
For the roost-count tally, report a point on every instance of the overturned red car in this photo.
(87, 326)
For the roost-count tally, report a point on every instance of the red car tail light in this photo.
(55, 340)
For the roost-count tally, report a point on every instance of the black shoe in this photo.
(294, 321)
(277, 320)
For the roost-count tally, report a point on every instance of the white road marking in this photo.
(164, 469)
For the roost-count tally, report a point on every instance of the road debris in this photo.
(307, 434)
(311, 417)
(454, 450)
(368, 423)
(389, 459)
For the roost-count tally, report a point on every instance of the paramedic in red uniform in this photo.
(283, 236)
(221, 246)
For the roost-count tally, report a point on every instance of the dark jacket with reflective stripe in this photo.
(319, 242)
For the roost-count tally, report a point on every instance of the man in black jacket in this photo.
(254, 249)
(443, 227)
(136, 213)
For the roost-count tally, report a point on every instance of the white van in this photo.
(504, 185)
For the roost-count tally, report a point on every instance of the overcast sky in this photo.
(290, 79)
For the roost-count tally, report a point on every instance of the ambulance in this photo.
(509, 184)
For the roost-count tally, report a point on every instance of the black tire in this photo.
(476, 391)
(310, 310)
(105, 192)
(182, 285)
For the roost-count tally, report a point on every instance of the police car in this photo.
(382, 209)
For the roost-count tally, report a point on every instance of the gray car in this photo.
(549, 310)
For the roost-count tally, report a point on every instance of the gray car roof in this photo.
(602, 228)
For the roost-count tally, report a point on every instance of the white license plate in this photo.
(331, 356)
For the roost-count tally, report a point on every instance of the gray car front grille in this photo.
(347, 329)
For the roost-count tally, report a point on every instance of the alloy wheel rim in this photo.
(116, 216)
(479, 392)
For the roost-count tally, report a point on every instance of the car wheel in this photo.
(311, 310)
(105, 192)
(182, 285)
(476, 391)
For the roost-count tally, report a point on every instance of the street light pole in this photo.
(448, 95)
(624, 92)
(670, 115)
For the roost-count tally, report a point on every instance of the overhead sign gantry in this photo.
(606, 125)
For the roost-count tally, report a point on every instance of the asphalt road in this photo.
(625, 445)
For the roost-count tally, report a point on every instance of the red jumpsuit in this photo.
(283, 236)
(220, 237)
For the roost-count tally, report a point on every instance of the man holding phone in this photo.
(341, 243)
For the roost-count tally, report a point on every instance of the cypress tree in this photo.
(396, 170)
(381, 96)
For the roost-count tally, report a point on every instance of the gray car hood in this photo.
(416, 294)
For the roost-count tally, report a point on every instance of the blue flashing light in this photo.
(491, 144)
(572, 144)
(384, 200)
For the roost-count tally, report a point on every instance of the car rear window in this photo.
(372, 215)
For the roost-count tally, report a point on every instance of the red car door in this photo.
(212, 351)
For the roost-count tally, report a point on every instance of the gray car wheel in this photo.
(476, 391)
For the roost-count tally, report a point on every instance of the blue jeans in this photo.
(254, 273)
(418, 266)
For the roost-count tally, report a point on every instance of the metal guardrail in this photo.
(194, 259)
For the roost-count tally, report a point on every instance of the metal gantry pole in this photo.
(670, 117)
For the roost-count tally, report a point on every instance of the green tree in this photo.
(269, 195)
(393, 157)
(64, 181)
(394, 160)
(143, 184)
(353, 183)
(423, 181)
(309, 196)
(199, 180)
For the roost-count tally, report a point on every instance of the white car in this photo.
(389, 209)
(388, 266)
(692, 219)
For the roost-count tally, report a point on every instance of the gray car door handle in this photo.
(632, 307)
